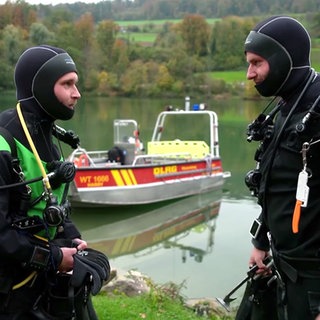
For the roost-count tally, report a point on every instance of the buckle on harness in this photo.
(30, 224)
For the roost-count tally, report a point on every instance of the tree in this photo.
(228, 36)
(164, 79)
(12, 44)
(84, 28)
(120, 57)
(316, 24)
(195, 33)
(134, 79)
(106, 35)
(39, 34)
(65, 35)
(55, 17)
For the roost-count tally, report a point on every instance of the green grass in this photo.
(140, 23)
(229, 76)
(153, 27)
(140, 36)
(162, 302)
(146, 306)
(315, 58)
(140, 307)
(155, 22)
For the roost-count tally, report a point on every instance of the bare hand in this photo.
(256, 258)
(66, 264)
(81, 244)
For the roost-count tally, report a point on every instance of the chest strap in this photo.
(10, 140)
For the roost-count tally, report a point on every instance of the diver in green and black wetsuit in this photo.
(34, 215)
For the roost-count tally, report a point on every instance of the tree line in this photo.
(177, 9)
(178, 62)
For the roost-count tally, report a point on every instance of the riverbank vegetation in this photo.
(181, 48)
(161, 302)
(147, 306)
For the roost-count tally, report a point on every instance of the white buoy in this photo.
(187, 103)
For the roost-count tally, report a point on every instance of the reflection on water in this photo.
(202, 241)
(166, 226)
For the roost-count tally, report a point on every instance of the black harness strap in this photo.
(9, 138)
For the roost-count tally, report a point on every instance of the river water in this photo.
(201, 242)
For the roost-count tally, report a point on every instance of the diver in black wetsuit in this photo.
(288, 159)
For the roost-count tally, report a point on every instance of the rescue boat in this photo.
(179, 161)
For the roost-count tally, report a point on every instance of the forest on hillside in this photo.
(177, 61)
(177, 9)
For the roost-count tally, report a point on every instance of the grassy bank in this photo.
(159, 302)
(151, 306)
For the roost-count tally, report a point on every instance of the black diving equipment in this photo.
(32, 225)
(40, 258)
(301, 126)
(255, 228)
(54, 214)
(64, 172)
(251, 274)
(252, 181)
(262, 127)
(67, 136)
(60, 172)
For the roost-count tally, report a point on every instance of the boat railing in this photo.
(213, 120)
(83, 158)
(161, 158)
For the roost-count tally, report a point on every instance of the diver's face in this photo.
(258, 68)
(66, 90)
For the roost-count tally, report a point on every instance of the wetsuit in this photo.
(296, 251)
(16, 247)
(28, 244)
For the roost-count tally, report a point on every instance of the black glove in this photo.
(93, 265)
(96, 260)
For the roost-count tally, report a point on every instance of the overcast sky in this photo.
(53, 1)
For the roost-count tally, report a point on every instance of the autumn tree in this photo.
(134, 79)
(22, 14)
(106, 35)
(164, 78)
(84, 28)
(120, 57)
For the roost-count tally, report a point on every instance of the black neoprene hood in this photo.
(285, 44)
(36, 73)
